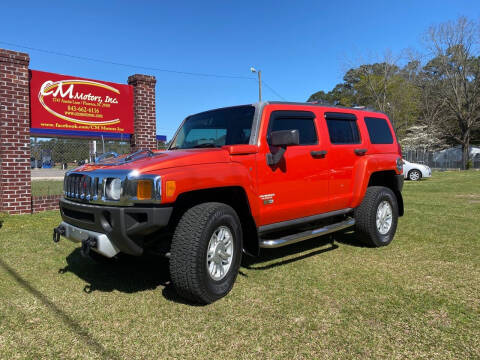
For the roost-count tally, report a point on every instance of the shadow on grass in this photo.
(60, 314)
(349, 238)
(128, 274)
(135, 274)
(2, 218)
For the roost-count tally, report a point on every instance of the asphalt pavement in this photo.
(47, 174)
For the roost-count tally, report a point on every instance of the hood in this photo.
(164, 160)
(417, 165)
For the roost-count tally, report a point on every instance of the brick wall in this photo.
(144, 112)
(15, 193)
(43, 203)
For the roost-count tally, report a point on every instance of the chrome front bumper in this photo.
(103, 244)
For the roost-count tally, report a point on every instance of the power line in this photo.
(108, 62)
(273, 91)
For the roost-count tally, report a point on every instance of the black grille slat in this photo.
(88, 186)
(80, 186)
(76, 190)
(73, 186)
(83, 181)
(95, 187)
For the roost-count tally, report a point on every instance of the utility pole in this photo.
(259, 73)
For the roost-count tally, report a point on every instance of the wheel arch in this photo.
(388, 178)
(234, 196)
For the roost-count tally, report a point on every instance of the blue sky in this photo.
(300, 46)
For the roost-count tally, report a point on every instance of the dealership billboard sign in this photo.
(62, 104)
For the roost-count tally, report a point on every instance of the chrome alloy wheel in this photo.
(384, 217)
(220, 253)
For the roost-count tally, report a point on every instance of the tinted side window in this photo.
(303, 121)
(342, 128)
(378, 131)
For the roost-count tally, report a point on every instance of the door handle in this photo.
(318, 154)
(360, 152)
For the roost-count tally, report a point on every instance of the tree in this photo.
(453, 79)
(382, 86)
(439, 96)
(424, 137)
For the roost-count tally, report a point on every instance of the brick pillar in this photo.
(15, 192)
(144, 112)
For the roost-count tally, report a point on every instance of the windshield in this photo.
(230, 126)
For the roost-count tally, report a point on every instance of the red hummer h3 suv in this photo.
(236, 180)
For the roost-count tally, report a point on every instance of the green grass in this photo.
(417, 298)
(47, 187)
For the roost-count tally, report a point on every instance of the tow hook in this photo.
(57, 232)
(87, 244)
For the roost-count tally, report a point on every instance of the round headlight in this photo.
(114, 189)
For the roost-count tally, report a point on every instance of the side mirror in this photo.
(282, 139)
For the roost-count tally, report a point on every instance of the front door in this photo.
(298, 185)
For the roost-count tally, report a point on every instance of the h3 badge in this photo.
(267, 199)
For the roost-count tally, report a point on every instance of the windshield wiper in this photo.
(138, 153)
(205, 145)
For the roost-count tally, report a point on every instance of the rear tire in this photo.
(206, 252)
(377, 216)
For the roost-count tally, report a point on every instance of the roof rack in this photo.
(317, 103)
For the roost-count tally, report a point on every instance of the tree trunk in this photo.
(466, 150)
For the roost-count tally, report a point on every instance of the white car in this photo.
(414, 171)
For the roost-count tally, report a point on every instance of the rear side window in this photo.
(342, 128)
(303, 121)
(378, 131)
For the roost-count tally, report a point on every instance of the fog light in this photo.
(144, 189)
(114, 189)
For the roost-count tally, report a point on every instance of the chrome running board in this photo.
(305, 235)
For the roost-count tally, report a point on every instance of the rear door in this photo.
(298, 185)
(346, 148)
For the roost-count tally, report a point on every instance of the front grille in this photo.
(89, 187)
(81, 186)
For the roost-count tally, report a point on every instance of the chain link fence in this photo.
(64, 153)
(61, 153)
(162, 145)
(445, 159)
(51, 157)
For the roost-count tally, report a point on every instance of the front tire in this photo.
(377, 216)
(206, 252)
(414, 175)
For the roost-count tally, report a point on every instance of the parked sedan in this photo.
(415, 172)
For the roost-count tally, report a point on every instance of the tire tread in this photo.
(364, 223)
(185, 264)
